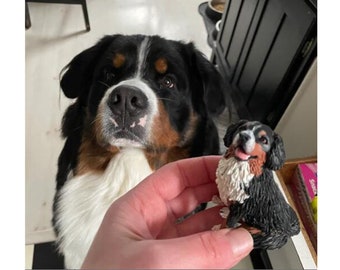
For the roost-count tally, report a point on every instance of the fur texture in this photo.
(140, 102)
(85, 199)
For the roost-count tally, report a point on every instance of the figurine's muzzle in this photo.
(244, 143)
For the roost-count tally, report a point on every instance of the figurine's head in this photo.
(255, 142)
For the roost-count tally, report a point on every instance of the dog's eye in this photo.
(167, 82)
(264, 140)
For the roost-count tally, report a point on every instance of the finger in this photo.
(170, 180)
(200, 222)
(190, 198)
(212, 249)
(151, 197)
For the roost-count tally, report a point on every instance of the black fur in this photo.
(199, 85)
(267, 210)
(229, 135)
(277, 154)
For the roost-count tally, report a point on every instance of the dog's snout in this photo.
(244, 137)
(246, 141)
(127, 99)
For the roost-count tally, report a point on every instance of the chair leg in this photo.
(86, 15)
(27, 17)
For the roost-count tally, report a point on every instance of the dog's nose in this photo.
(246, 140)
(127, 99)
(244, 137)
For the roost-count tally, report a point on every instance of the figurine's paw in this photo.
(252, 230)
(232, 223)
(215, 199)
(216, 227)
(224, 212)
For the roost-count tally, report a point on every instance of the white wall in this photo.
(298, 126)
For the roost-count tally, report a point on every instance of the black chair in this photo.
(74, 2)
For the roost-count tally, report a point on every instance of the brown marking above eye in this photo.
(161, 65)
(118, 60)
(262, 133)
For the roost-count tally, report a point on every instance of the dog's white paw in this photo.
(215, 199)
(216, 227)
(224, 212)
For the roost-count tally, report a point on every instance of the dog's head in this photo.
(142, 91)
(255, 142)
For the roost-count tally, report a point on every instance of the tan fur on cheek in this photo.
(157, 159)
(167, 144)
(93, 158)
(98, 127)
(257, 163)
(163, 135)
(93, 155)
(230, 152)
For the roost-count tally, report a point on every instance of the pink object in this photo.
(308, 172)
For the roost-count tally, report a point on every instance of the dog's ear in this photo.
(77, 75)
(276, 156)
(211, 81)
(228, 137)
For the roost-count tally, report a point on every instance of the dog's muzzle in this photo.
(129, 112)
(244, 143)
(126, 113)
(128, 106)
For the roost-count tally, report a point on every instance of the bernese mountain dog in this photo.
(140, 102)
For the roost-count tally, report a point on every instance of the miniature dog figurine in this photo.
(246, 185)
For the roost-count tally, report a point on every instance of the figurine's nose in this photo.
(247, 141)
(244, 137)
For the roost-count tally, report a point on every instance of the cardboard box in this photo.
(304, 189)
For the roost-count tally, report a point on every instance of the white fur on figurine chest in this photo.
(232, 177)
(84, 200)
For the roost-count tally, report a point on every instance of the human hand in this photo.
(140, 230)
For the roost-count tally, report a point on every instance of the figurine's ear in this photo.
(228, 137)
(276, 155)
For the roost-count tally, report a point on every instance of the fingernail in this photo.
(240, 240)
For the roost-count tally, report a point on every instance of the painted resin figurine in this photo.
(247, 188)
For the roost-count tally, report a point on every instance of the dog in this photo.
(246, 185)
(140, 102)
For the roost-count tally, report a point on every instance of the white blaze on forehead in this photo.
(256, 127)
(135, 81)
(143, 52)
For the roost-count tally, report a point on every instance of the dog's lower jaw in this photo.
(84, 200)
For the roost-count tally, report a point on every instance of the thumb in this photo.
(210, 249)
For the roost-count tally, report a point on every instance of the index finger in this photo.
(173, 178)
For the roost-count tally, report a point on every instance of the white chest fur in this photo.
(232, 176)
(84, 200)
